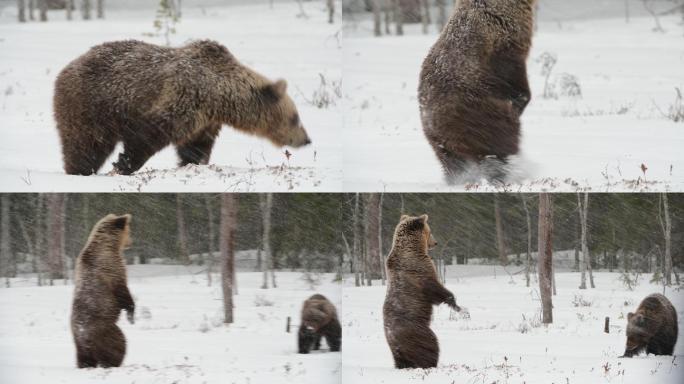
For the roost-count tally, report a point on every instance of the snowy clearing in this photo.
(178, 336)
(276, 42)
(491, 348)
(627, 74)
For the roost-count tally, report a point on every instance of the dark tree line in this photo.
(350, 233)
(42, 6)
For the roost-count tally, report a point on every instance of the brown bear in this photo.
(473, 85)
(412, 290)
(101, 293)
(653, 327)
(149, 96)
(319, 319)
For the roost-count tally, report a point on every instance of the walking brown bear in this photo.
(101, 293)
(652, 328)
(473, 85)
(148, 97)
(412, 290)
(319, 319)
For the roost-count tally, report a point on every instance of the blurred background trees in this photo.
(42, 234)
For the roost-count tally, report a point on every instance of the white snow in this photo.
(627, 73)
(490, 348)
(178, 336)
(275, 42)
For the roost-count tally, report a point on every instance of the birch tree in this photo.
(500, 243)
(545, 258)
(5, 249)
(666, 227)
(381, 255)
(227, 249)
(183, 254)
(528, 260)
(355, 248)
(210, 226)
(55, 236)
(583, 209)
(267, 262)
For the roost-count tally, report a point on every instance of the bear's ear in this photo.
(424, 217)
(403, 217)
(121, 221)
(275, 91)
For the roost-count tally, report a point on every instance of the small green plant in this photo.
(166, 19)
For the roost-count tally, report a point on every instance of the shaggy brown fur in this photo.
(413, 288)
(473, 84)
(319, 319)
(653, 327)
(100, 295)
(148, 97)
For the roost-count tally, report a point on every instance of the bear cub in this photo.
(319, 319)
(412, 289)
(100, 293)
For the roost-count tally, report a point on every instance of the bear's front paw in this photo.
(122, 165)
(451, 301)
(130, 315)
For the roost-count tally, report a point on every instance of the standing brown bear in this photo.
(319, 319)
(412, 290)
(653, 327)
(148, 97)
(100, 295)
(473, 84)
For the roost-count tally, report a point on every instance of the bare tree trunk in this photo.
(529, 241)
(666, 226)
(381, 255)
(500, 244)
(331, 11)
(387, 10)
(398, 18)
(210, 256)
(545, 250)
(38, 238)
(55, 236)
(21, 5)
(183, 255)
(227, 248)
(5, 250)
(441, 14)
(583, 237)
(355, 257)
(31, 7)
(373, 256)
(86, 7)
(425, 15)
(377, 20)
(266, 206)
(43, 7)
(62, 240)
(69, 9)
(100, 9)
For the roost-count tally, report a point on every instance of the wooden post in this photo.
(287, 327)
(606, 325)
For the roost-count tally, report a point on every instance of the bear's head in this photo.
(279, 122)
(115, 228)
(640, 330)
(415, 229)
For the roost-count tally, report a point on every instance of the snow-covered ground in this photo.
(278, 42)
(599, 141)
(491, 347)
(178, 336)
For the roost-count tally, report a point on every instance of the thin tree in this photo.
(441, 14)
(5, 250)
(583, 208)
(43, 8)
(55, 236)
(210, 227)
(100, 9)
(183, 254)
(377, 20)
(545, 255)
(528, 260)
(355, 249)
(38, 257)
(21, 5)
(381, 257)
(69, 5)
(398, 17)
(666, 226)
(331, 11)
(425, 15)
(85, 9)
(266, 207)
(500, 244)
(227, 249)
(31, 8)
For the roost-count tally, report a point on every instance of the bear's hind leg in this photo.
(198, 149)
(85, 157)
(137, 151)
(111, 347)
(317, 342)
(84, 359)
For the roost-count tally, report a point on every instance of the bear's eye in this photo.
(294, 120)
